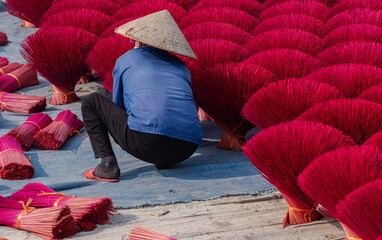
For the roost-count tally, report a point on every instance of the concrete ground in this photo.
(227, 218)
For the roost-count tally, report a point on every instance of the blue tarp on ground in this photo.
(209, 173)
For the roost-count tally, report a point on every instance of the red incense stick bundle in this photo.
(222, 90)
(55, 134)
(24, 104)
(92, 21)
(344, 5)
(287, 38)
(356, 118)
(111, 30)
(86, 211)
(298, 144)
(368, 53)
(26, 131)
(354, 32)
(350, 79)
(22, 77)
(3, 61)
(52, 53)
(216, 30)
(14, 164)
(9, 68)
(48, 223)
(329, 3)
(285, 100)
(286, 63)
(232, 16)
(361, 210)
(3, 38)
(309, 8)
(253, 8)
(142, 233)
(373, 94)
(294, 21)
(355, 16)
(333, 175)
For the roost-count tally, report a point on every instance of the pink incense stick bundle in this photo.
(222, 90)
(52, 53)
(3, 38)
(29, 10)
(287, 38)
(89, 20)
(361, 210)
(373, 94)
(285, 100)
(298, 144)
(108, 82)
(375, 140)
(309, 8)
(356, 118)
(150, 6)
(354, 32)
(26, 131)
(104, 6)
(344, 5)
(368, 53)
(24, 104)
(48, 223)
(55, 134)
(216, 30)
(355, 16)
(253, 8)
(186, 4)
(22, 77)
(14, 165)
(350, 79)
(329, 3)
(294, 21)
(3, 61)
(232, 16)
(142, 233)
(213, 51)
(111, 30)
(9, 68)
(333, 175)
(86, 211)
(286, 63)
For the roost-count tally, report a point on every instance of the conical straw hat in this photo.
(159, 30)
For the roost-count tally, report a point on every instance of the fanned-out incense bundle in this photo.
(48, 223)
(344, 5)
(14, 164)
(232, 16)
(24, 104)
(355, 16)
(29, 10)
(86, 211)
(270, 3)
(3, 38)
(333, 175)
(310, 8)
(59, 54)
(372, 94)
(142, 233)
(21, 77)
(253, 8)
(285, 100)
(361, 210)
(354, 32)
(55, 134)
(111, 30)
(26, 131)
(350, 79)
(294, 21)
(289, 39)
(282, 152)
(359, 119)
(3, 61)
(9, 68)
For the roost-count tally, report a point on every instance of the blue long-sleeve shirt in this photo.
(154, 87)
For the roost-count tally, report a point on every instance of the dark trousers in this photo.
(102, 116)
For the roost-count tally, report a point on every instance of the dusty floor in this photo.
(229, 218)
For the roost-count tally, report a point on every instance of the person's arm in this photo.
(118, 86)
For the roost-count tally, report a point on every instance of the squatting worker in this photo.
(153, 114)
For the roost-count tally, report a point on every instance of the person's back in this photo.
(154, 87)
